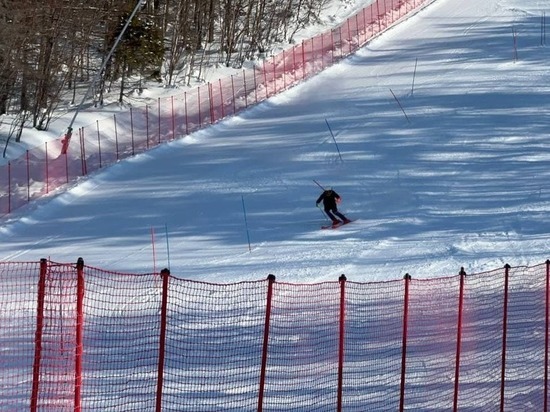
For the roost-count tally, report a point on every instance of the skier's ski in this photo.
(336, 226)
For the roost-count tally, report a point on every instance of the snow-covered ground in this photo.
(457, 178)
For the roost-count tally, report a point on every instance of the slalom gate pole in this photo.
(403, 110)
(414, 76)
(333, 138)
(246, 225)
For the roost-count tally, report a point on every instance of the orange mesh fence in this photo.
(121, 340)
(481, 351)
(37, 325)
(57, 360)
(373, 346)
(108, 140)
(525, 339)
(18, 308)
(303, 348)
(75, 337)
(431, 343)
(213, 346)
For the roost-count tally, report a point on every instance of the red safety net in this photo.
(431, 342)
(213, 346)
(18, 309)
(44, 169)
(303, 347)
(76, 337)
(37, 323)
(373, 343)
(120, 340)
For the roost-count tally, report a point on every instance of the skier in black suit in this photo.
(330, 199)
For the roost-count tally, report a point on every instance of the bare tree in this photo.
(48, 52)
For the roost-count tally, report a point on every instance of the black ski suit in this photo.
(330, 198)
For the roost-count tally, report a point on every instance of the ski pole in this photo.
(315, 181)
(322, 212)
(318, 207)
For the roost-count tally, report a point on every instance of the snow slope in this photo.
(457, 178)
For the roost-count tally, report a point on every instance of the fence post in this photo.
(294, 69)
(322, 51)
(66, 167)
(233, 101)
(116, 136)
(165, 274)
(462, 275)
(211, 102)
(255, 84)
(270, 281)
(342, 332)
(312, 58)
(303, 60)
(504, 332)
(349, 35)
(82, 151)
(332, 47)
(186, 114)
(38, 334)
(546, 336)
(407, 279)
(98, 142)
(159, 120)
(265, 78)
(284, 71)
(132, 128)
(47, 169)
(79, 335)
(274, 74)
(173, 119)
(199, 106)
(9, 187)
(28, 177)
(146, 128)
(245, 92)
(378, 16)
(221, 97)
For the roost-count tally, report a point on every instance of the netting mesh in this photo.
(303, 348)
(56, 386)
(155, 342)
(431, 343)
(213, 346)
(525, 339)
(480, 364)
(18, 301)
(121, 340)
(373, 342)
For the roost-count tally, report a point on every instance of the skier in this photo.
(330, 198)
